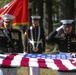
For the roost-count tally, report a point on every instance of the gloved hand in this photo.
(73, 55)
(59, 28)
(24, 53)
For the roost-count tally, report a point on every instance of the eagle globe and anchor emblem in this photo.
(35, 49)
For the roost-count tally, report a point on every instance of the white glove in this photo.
(73, 55)
(59, 28)
(24, 53)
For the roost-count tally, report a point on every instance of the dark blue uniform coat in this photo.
(11, 41)
(65, 42)
(35, 34)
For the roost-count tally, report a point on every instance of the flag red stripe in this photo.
(24, 62)
(42, 63)
(60, 65)
(73, 62)
(8, 59)
(18, 60)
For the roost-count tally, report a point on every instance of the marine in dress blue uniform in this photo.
(66, 41)
(10, 42)
(35, 41)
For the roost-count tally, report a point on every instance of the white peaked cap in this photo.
(67, 22)
(7, 17)
(35, 17)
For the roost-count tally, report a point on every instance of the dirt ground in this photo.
(25, 71)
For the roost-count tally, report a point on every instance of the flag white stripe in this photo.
(33, 62)
(51, 64)
(68, 64)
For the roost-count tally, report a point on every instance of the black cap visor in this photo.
(35, 19)
(67, 24)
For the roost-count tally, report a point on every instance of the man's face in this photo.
(35, 22)
(7, 24)
(67, 29)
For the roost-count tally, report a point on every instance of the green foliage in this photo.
(4, 2)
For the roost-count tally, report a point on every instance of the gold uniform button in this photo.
(7, 45)
(8, 41)
(68, 44)
(68, 51)
(68, 47)
(68, 41)
(15, 43)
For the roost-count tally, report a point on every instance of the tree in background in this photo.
(51, 11)
(67, 10)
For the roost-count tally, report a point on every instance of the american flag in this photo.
(53, 61)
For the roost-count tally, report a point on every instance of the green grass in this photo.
(43, 71)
